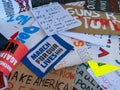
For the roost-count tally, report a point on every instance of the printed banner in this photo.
(46, 54)
(83, 80)
(110, 81)
(23, 79)
(100, 69)
(53, 18)
(94, 22)
(103, 5)
(11, 55)
(11, 7)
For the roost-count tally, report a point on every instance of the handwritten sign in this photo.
(109, 54)
(79, 54)
(24, 79)
(83, 80)
(110, 81)
(53, 18)
(94, 22)
(46, 54)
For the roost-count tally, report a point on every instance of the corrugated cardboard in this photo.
(23, 79)
(95, 22)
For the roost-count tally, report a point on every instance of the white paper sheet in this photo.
(109, 81)
(95, 39)
(53, 18)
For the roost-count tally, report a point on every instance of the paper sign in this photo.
(15, 24)
(79, 54)
(109, 54)
(22, 27)
(46, 54)
(11, 7)
(3, 81)
(94, 22)
(11, 55)
(95, 39)
(110, 81)
(53, 18)
(100, 69)
(83, 80)
(103, 5)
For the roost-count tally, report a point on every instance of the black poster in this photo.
(103, 5)
(36, 3)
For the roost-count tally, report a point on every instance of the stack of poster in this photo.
(60, 45)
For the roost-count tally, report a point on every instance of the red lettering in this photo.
(104, 52)
(65, 74)
(116, 26)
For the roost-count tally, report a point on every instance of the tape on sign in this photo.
(11, 55)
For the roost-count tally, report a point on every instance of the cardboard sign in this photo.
(54, 19)
(83, 80)
(11, 55)
(23, 79)
(11, 7)
(100, 69)
(46, 54)
(94, 22)
(110, 81)
(103, 5)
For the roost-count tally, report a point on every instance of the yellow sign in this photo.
(100, 69)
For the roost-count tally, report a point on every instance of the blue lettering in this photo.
(34, 56)
(31, 29)
(118, 62)
(41, 50)
(48, 60)
(23, 19)
(23, 35)
(11, 19)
